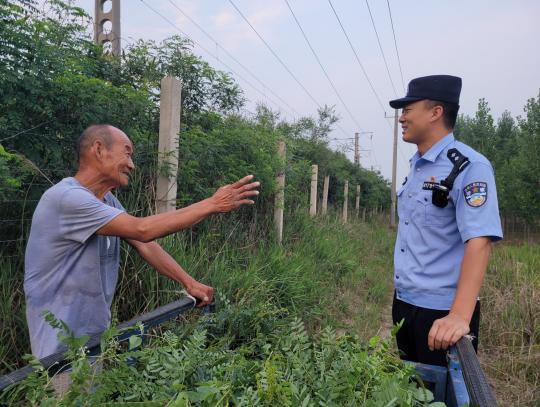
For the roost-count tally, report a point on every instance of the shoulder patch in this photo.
(476, 194)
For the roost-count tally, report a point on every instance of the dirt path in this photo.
(386, 320)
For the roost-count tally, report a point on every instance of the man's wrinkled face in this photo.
(118, 163)
(415, 119)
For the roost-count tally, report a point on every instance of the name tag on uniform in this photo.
(429, 186)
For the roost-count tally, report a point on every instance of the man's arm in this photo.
(164, 264)
(146, 229)
(448, 330)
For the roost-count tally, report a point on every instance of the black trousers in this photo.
(412, 338)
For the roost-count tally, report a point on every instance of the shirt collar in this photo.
(435, 150)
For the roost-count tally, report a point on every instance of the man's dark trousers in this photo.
(412, 338)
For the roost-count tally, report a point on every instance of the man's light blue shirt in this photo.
(69, 269)
(431, 240)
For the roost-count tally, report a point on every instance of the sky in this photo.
(492, 45)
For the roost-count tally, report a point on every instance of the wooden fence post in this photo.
(325, 194)
(279, 199)
(313, 195)
(169, 129)
(345, 201)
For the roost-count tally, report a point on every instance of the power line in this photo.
(208, 52)
(24, 131)
(380, 47)
(232, 57)
(226, 65)
(276, 55)
(279, 59)
(356, 56)
(360, 64)
(321, 65)
(395, 43)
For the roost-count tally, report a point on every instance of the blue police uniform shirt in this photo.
(431, 240)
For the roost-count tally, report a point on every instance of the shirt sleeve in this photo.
(82, 214)
(112, 200)
(477, 209)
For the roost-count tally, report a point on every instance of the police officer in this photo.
(448, 219)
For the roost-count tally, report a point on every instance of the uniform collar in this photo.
(436, 149)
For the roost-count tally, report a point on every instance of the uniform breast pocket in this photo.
(431, 215)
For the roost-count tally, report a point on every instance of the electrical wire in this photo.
(209, 53)
(24, 131)
(275, 54)
(233, 58)
(395, 43)
(321, 65)
(380, 48)
(356, 56)
(280, 60)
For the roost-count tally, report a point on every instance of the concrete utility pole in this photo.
(394, 165)
(356, 149)
(325, 195)
(279, 200)
(357, 206)
(112, 16)
(169, 129)
(313, 195)
(345, 201)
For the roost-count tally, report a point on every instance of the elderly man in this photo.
(72, 256)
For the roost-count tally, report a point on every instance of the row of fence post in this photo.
(279, 200)
(169, 128)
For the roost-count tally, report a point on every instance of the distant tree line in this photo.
(513, 147)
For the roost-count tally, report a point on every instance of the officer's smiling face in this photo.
(415, 120)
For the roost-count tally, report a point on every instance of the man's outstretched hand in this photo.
(233, 196)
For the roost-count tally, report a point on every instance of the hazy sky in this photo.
(490, 44)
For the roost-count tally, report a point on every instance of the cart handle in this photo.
(479, 390)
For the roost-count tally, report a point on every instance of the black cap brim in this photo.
(401, 103)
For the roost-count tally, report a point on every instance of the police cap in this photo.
(442, 88)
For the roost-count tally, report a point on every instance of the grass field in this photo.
(310, 275)
(510, 327)
(327, 273)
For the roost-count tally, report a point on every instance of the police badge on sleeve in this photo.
(476, 194)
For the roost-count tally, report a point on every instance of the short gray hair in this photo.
(91, 134)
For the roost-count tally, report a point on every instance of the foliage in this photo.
(56, 82)
(9, 183)
(279, 365)
(510, 336)
(513, 147)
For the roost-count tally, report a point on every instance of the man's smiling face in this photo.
(414, 119)
(118, 164)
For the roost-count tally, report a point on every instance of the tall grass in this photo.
(325, 272)
(310, 275)
(510, 329)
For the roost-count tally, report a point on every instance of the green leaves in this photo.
(282, 365)
(134, 342)
(513, 147)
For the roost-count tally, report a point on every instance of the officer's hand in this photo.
(447, 331)
(202, 292)
(233, 196)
